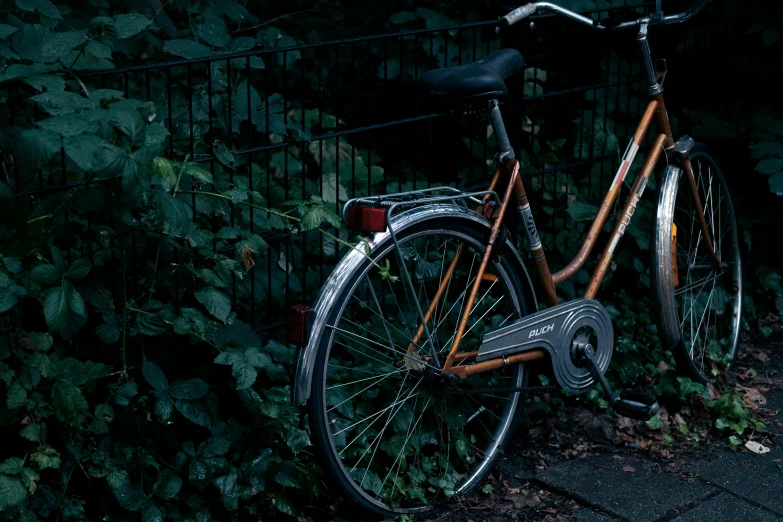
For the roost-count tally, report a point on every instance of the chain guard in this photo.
(554, 329)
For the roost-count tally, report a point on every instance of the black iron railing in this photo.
(341, 119)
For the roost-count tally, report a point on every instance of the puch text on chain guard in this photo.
(554, 329)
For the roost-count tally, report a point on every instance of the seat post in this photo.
(506, 152)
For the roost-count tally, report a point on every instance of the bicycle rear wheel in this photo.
(699, 303)
(394, 437)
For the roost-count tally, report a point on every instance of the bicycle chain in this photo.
(520, 389)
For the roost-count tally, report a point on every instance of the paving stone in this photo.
(727, 508)
(640, 496)
(755, 477)
(590, 515)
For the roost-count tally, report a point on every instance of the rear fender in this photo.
(302, 386)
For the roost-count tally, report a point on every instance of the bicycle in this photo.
(412, 382)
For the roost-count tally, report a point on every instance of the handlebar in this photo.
(520, 13)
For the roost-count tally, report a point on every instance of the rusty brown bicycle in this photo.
(412, 375)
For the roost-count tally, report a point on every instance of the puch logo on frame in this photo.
(541, 331)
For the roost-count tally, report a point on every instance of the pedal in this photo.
(631, 404)
(636, 405)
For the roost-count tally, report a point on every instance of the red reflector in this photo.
(297, 324)
(367, 219)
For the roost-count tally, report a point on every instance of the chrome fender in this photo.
(302, 386)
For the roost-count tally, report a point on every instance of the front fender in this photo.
(331, 288)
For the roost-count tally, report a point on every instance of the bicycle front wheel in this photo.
(394, 436)
(699, 300)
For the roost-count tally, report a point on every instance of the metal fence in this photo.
(342, 119)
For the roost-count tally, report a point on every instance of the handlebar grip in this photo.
(518, 14)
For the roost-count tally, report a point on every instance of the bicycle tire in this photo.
(702, 343)
(474, 234)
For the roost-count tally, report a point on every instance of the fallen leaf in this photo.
(754, 395)
(756, 447)
(629, 469)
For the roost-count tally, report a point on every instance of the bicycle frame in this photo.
(664, 142)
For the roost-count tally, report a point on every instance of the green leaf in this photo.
(108, 333)
(13, 265)
(12, 492)
(227, 483)
(297, 440)
(16, 395)
(770, 36)
(61, 103)
(130, 124)
(194, 412)
(46, 274)
(402, 17)
(243, 364)
(216, 302)
(766, 149)
(776, 183)
(57, 305)
(164, 408)
(68, 403)
(242, 44)
(581, 211)
(199, 174)
(163, 171)
(237, 333)
(79, 269)
(125, 392)
(102, 95)
(151, 513)
(131, 497)
(38, 147)
(225, 156)
(8, 300)
(45, 7)
(68, 126)
(186, 49)
(655, 423)
(770, 165)
(175, 213)
(46, 457)
(284, 505)
(32, 432)
(317, 215)
(77, 303)
(128, 25)
(279, 351)
(168, 485)
(7, 30)
(156, 134)
(86, 151)
(213, 30)
(48, 82)
(155, 376)
(208, 276)
(12, 466)
(190, 389)
(213, 447)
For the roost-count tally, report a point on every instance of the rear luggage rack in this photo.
(373, 214)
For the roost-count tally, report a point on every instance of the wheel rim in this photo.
(404, 444)
(708, 299)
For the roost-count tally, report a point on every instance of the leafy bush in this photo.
(135, 380)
